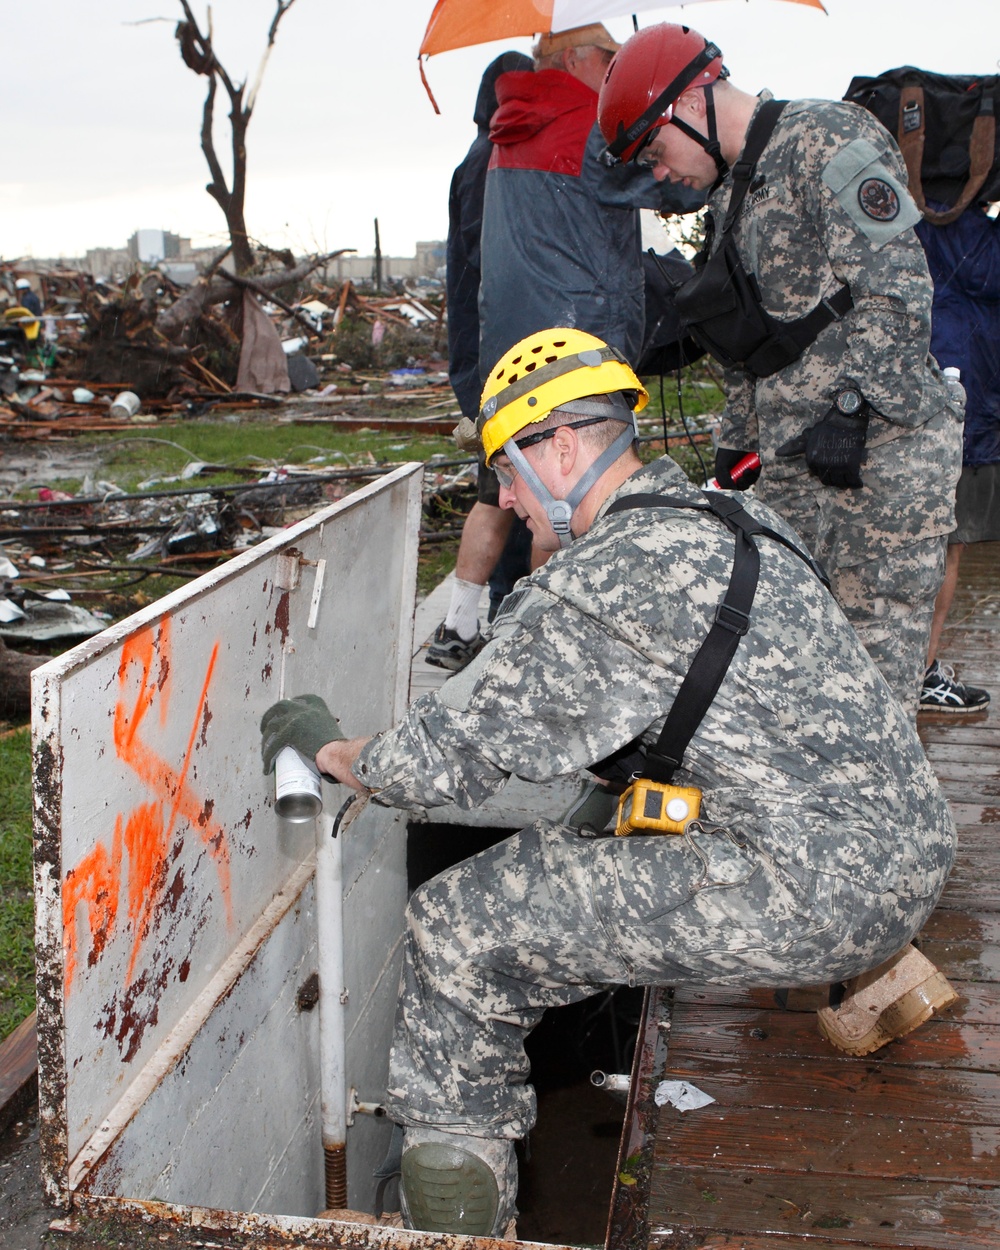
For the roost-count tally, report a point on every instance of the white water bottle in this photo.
(953, 381)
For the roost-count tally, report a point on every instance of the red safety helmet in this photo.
(644, 80)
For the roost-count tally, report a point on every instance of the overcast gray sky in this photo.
(101, 118)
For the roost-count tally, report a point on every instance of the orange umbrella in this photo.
(462, 23)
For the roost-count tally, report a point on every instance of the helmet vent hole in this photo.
(550, 360)
(537, 349)
(529, 366)
(559, 343)
(516, 360)
(512, 379)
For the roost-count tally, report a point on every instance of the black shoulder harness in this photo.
(732, 620)
(721, 305)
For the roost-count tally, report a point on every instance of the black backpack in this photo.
(946, 126)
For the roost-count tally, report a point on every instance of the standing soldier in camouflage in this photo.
(813, 291)
(822, 841)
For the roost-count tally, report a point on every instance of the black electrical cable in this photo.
(680, 412)
(663, 416)
(687, 431)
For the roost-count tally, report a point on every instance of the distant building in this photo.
(425, 264)
(151, 246)
(110, 263)
(430, 257)
(182, 263)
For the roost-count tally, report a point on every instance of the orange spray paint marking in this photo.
(94, 881)
(145, 835)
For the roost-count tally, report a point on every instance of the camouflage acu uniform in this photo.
(824, 840)
(828, 204)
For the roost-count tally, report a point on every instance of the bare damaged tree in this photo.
(199, 55)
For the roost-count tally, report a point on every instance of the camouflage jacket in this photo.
(803, 750)
(828, 204)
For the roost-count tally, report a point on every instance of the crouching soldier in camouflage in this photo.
(822, 842)
(813, 292)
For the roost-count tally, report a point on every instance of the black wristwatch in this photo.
(850, 402)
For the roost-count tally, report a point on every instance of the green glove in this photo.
(304, 723)
(591, 810)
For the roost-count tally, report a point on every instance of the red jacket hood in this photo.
(528, 102)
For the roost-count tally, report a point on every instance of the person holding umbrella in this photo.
(813, 292)
(561, 236)
(560, 244)
(491, 546)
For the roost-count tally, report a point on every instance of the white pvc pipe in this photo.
(613, 1082)
(332, 992)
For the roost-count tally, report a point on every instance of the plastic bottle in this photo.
(953, 381)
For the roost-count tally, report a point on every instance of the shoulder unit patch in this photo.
(878, 199)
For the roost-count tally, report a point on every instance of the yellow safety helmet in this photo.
(545, 371)
(29, 322)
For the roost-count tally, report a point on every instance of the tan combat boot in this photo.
(887, 1002)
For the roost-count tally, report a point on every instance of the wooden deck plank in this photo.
(18, 1072)
(775, 1035)
(801, 1085)
(833, 1143)
(807, 1147)
(856, 1212)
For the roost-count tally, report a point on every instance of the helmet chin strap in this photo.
(560, 511)
(711, 142)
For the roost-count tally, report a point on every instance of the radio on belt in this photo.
(653, 807)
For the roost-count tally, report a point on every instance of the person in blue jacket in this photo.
(494, 545)
(561, 234)
(560, 244)
(964, 260)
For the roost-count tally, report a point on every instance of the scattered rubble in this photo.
(57, 549)
(99, 356)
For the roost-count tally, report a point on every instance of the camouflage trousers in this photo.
(547, 918)
(890, 602)
(888, 598)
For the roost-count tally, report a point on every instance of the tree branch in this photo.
(217, 188)
(251, 285)
(193, 36)
(171, 321)
(282, 9)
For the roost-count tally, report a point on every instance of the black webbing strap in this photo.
(804, 330)
(761, 129)
(732, 620)
(390, 1169)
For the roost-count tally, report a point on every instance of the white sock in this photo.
(463, 615)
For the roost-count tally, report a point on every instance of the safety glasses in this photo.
(644, 158)
(507, 473)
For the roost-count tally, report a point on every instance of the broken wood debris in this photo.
(53, 543)
(183, 351)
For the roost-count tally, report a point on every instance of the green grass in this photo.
(17, 962)
(250, 443)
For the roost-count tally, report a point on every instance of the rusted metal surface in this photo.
(805, 1146)
(282, 1231)
(628, 1217)
(174, 927)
